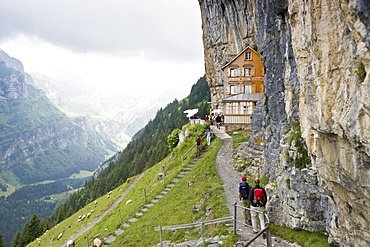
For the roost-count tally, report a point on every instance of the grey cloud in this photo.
(162, 29)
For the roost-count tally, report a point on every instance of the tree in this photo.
(18, 240)
(2, 244)
(32, 229)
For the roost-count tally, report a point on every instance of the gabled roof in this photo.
(232, 60)
(244, 97)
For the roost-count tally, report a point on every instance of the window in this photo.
(247, 107)
(248, 55)
(233, 72)
(232, 108)
(233, 89)
(247, 88)
(248, 72)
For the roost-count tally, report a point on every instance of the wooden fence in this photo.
(265, 230)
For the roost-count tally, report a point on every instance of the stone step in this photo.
(119, 231)
(125, 225)
(144, 209)
(154, 200)
(132, 220)
(110, 239)
(175, 180)
(148, 205)
(139, 214)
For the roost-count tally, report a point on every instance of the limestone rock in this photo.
(317, 60)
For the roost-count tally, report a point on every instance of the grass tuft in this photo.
(301, 237)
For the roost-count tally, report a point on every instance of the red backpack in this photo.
(259, 197)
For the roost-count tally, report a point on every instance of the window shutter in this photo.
(227, 90)
(253, 72)
(242, 71)
(228, 72)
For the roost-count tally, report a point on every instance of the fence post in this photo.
(235, 218)
(144, 195)
(160, 235)
(204, 241)
(120, 218)
(87, 240)
(268, 237)
(268, 232)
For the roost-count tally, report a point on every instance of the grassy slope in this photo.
(173, 209)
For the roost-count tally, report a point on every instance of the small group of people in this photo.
(254, 198)
(214, 119)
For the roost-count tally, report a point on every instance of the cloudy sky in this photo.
(119, 44)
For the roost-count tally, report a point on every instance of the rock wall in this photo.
(314, 120)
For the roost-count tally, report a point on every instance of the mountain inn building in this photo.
(243, 86)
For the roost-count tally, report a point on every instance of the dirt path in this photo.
(231, 180)
(114, 205)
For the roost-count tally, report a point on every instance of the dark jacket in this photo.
(241, 184)
(253, 201)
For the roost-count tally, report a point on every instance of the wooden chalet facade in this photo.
(243, 86)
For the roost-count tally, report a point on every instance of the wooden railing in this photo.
(265, 230)
(191, 225)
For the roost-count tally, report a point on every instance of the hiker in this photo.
(218, 121)
(258, 198)
(244, 189)
(209, 135)
(198, 142)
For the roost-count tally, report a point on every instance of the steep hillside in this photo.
(314, 119)
(189, 192)
(148, 147)
(37, 141)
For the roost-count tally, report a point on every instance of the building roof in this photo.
(244, 97)
(232, 60)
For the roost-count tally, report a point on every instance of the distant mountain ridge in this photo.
(118, 115)
(37, 140)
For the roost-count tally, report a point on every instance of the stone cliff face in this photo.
(314, 120)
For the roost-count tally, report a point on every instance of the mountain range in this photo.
(38, 141)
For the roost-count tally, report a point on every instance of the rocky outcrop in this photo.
(314, 120)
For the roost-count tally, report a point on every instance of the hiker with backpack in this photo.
(244, 189)
(258, 198)
(198, 141)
